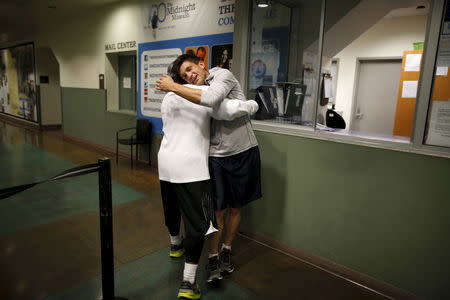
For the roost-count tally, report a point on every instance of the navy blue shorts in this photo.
(236, 179)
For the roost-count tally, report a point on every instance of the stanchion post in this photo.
(106, 229)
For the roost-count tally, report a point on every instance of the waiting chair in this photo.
(141, 136)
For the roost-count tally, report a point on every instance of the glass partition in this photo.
(371, 66)
(283, 61)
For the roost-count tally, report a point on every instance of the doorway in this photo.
(376, 96)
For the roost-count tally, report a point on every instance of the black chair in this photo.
(141, 136)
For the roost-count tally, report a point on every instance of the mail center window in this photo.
(358, 77)
(371, 88)
(283, 61)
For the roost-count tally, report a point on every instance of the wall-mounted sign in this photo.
(154, 57)
(173, 19)
(121, 46)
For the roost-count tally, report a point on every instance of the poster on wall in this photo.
(203, 28)
(438, 131)
(439, 128)
(155, 57)
(167, 20)
(17, 82)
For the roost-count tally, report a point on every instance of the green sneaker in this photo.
(176, 250)
(189, 290)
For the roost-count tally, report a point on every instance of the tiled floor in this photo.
(50, 244)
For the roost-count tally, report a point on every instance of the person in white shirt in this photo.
(184, 176)
(234, 159)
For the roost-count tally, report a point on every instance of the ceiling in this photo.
(15, 15)
(408, 12)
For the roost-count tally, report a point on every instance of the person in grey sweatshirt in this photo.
(234, 159)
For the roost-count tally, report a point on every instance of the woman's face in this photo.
(224, 56)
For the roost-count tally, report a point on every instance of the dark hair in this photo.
(202, 49)
(174, 68)
(190, 52)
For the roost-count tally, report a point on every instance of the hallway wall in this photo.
(85, 117)
(380, 212)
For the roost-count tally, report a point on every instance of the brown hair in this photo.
(174, 67)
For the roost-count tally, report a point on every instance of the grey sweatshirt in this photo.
(227, 137)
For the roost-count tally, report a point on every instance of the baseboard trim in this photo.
(51, 127)
(99, 147)
(374, 285)
(20, 122)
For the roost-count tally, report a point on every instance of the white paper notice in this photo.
(412, 63)
(441, 71)
(409, 89)
(127, 82)
(439, 129)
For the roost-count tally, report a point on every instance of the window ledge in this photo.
(354, 138)
(122, 112)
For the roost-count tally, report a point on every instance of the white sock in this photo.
(226, 247)
(213, 254)
(175, 239)
(189, 272)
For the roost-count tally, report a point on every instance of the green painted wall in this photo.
(85, 116)
(383, 213)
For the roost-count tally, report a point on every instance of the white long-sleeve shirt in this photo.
(183, 155)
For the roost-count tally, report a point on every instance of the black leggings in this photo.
(191, 201)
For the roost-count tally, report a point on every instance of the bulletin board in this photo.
(153, 59)
(407, 93)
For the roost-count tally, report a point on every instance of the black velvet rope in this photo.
(77, 171)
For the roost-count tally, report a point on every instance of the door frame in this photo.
(356, 81)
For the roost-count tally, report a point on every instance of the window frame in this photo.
(241, 50)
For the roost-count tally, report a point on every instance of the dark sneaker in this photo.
(213, 270)
(176, 250)
(225, 262)
(189, 290)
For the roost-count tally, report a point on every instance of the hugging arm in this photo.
(221, 86)
(230, 109)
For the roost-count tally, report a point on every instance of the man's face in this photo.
(193, 73)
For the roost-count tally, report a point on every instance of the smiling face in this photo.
(193, 73)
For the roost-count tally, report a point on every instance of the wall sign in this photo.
(153, 59)
(166, 20)
(120, 46)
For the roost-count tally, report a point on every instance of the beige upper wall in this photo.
(78, 41)
(79, 44)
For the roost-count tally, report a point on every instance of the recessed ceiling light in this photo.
(263, 3)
